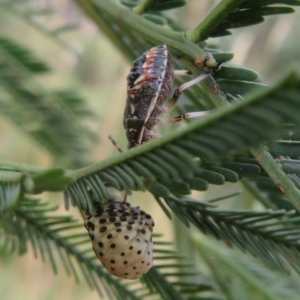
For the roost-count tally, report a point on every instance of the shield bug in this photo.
(149, 84)
(121, 237)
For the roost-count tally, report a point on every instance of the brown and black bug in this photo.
(149, 84)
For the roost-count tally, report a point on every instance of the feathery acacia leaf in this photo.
(239, 276)
(194, 157)
(232, 14)
(212, 139)
(30, 12)
(39, 112)
(156, 5)
(50, 235)
(60, 239)
(146, 33)
(12, 185)
(271, 235)
(23, 56)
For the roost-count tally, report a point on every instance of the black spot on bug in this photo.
(125, 262)
(117, 224)
(112, 214)
(119, 230)
(90, 225)
(143, 231)
(139, 252)
(126, 237)
(113, 245)
(112, 219)
(101, 254)
(123, 253)
(131, 247)
(129, 227)
(109, 236)
(112, 261)
(100, 244)
(102, 221)
(113, 269)
(92, 237)
(103, 229)
(138, 240)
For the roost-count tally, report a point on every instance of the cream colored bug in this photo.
(121, 236)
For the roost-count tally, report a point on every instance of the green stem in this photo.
(19, 167)
(141, 26)
(284, 183)
(156, 34)
(143, 6)
(214, 18)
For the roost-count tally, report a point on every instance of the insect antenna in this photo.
(113, 141)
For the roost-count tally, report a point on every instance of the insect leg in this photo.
(119, 150)
(182, 72)
(189, 115)
(185, 86)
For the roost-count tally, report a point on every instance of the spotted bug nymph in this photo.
(121, 236)
(149, 84)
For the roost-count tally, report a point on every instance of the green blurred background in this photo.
(85, 60)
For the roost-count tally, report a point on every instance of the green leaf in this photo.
(12, 186)
(21, 55)
(240, 277)
(231, 14)
(212, 139)
(270, 235)
(30, 14)
(61, 241)
(49, 117)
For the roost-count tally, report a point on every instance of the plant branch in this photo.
(141, 26)
(143, 6)
(271, 167)
(215, 17)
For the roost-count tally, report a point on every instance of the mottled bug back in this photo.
(149, 83)
(121, 236)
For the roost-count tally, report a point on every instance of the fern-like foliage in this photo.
(30, 13)
(232, 14)
(223, 147)
(48, 116)
(11, 188)
(271, 235)
(173, 157)
(150, 6)
(232, 272)
(35, 224)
